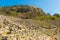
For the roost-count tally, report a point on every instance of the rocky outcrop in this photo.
(25, 29)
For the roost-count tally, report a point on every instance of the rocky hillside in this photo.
(25, 22)
(27, 29)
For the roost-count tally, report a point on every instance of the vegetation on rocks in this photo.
(28, 12)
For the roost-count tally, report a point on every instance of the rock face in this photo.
(24, 29)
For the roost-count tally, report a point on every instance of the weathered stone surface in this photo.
(24, 29)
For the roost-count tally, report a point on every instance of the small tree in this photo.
(57, 15)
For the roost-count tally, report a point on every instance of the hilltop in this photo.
(28, 12)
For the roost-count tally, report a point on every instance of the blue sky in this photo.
(49, 6)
